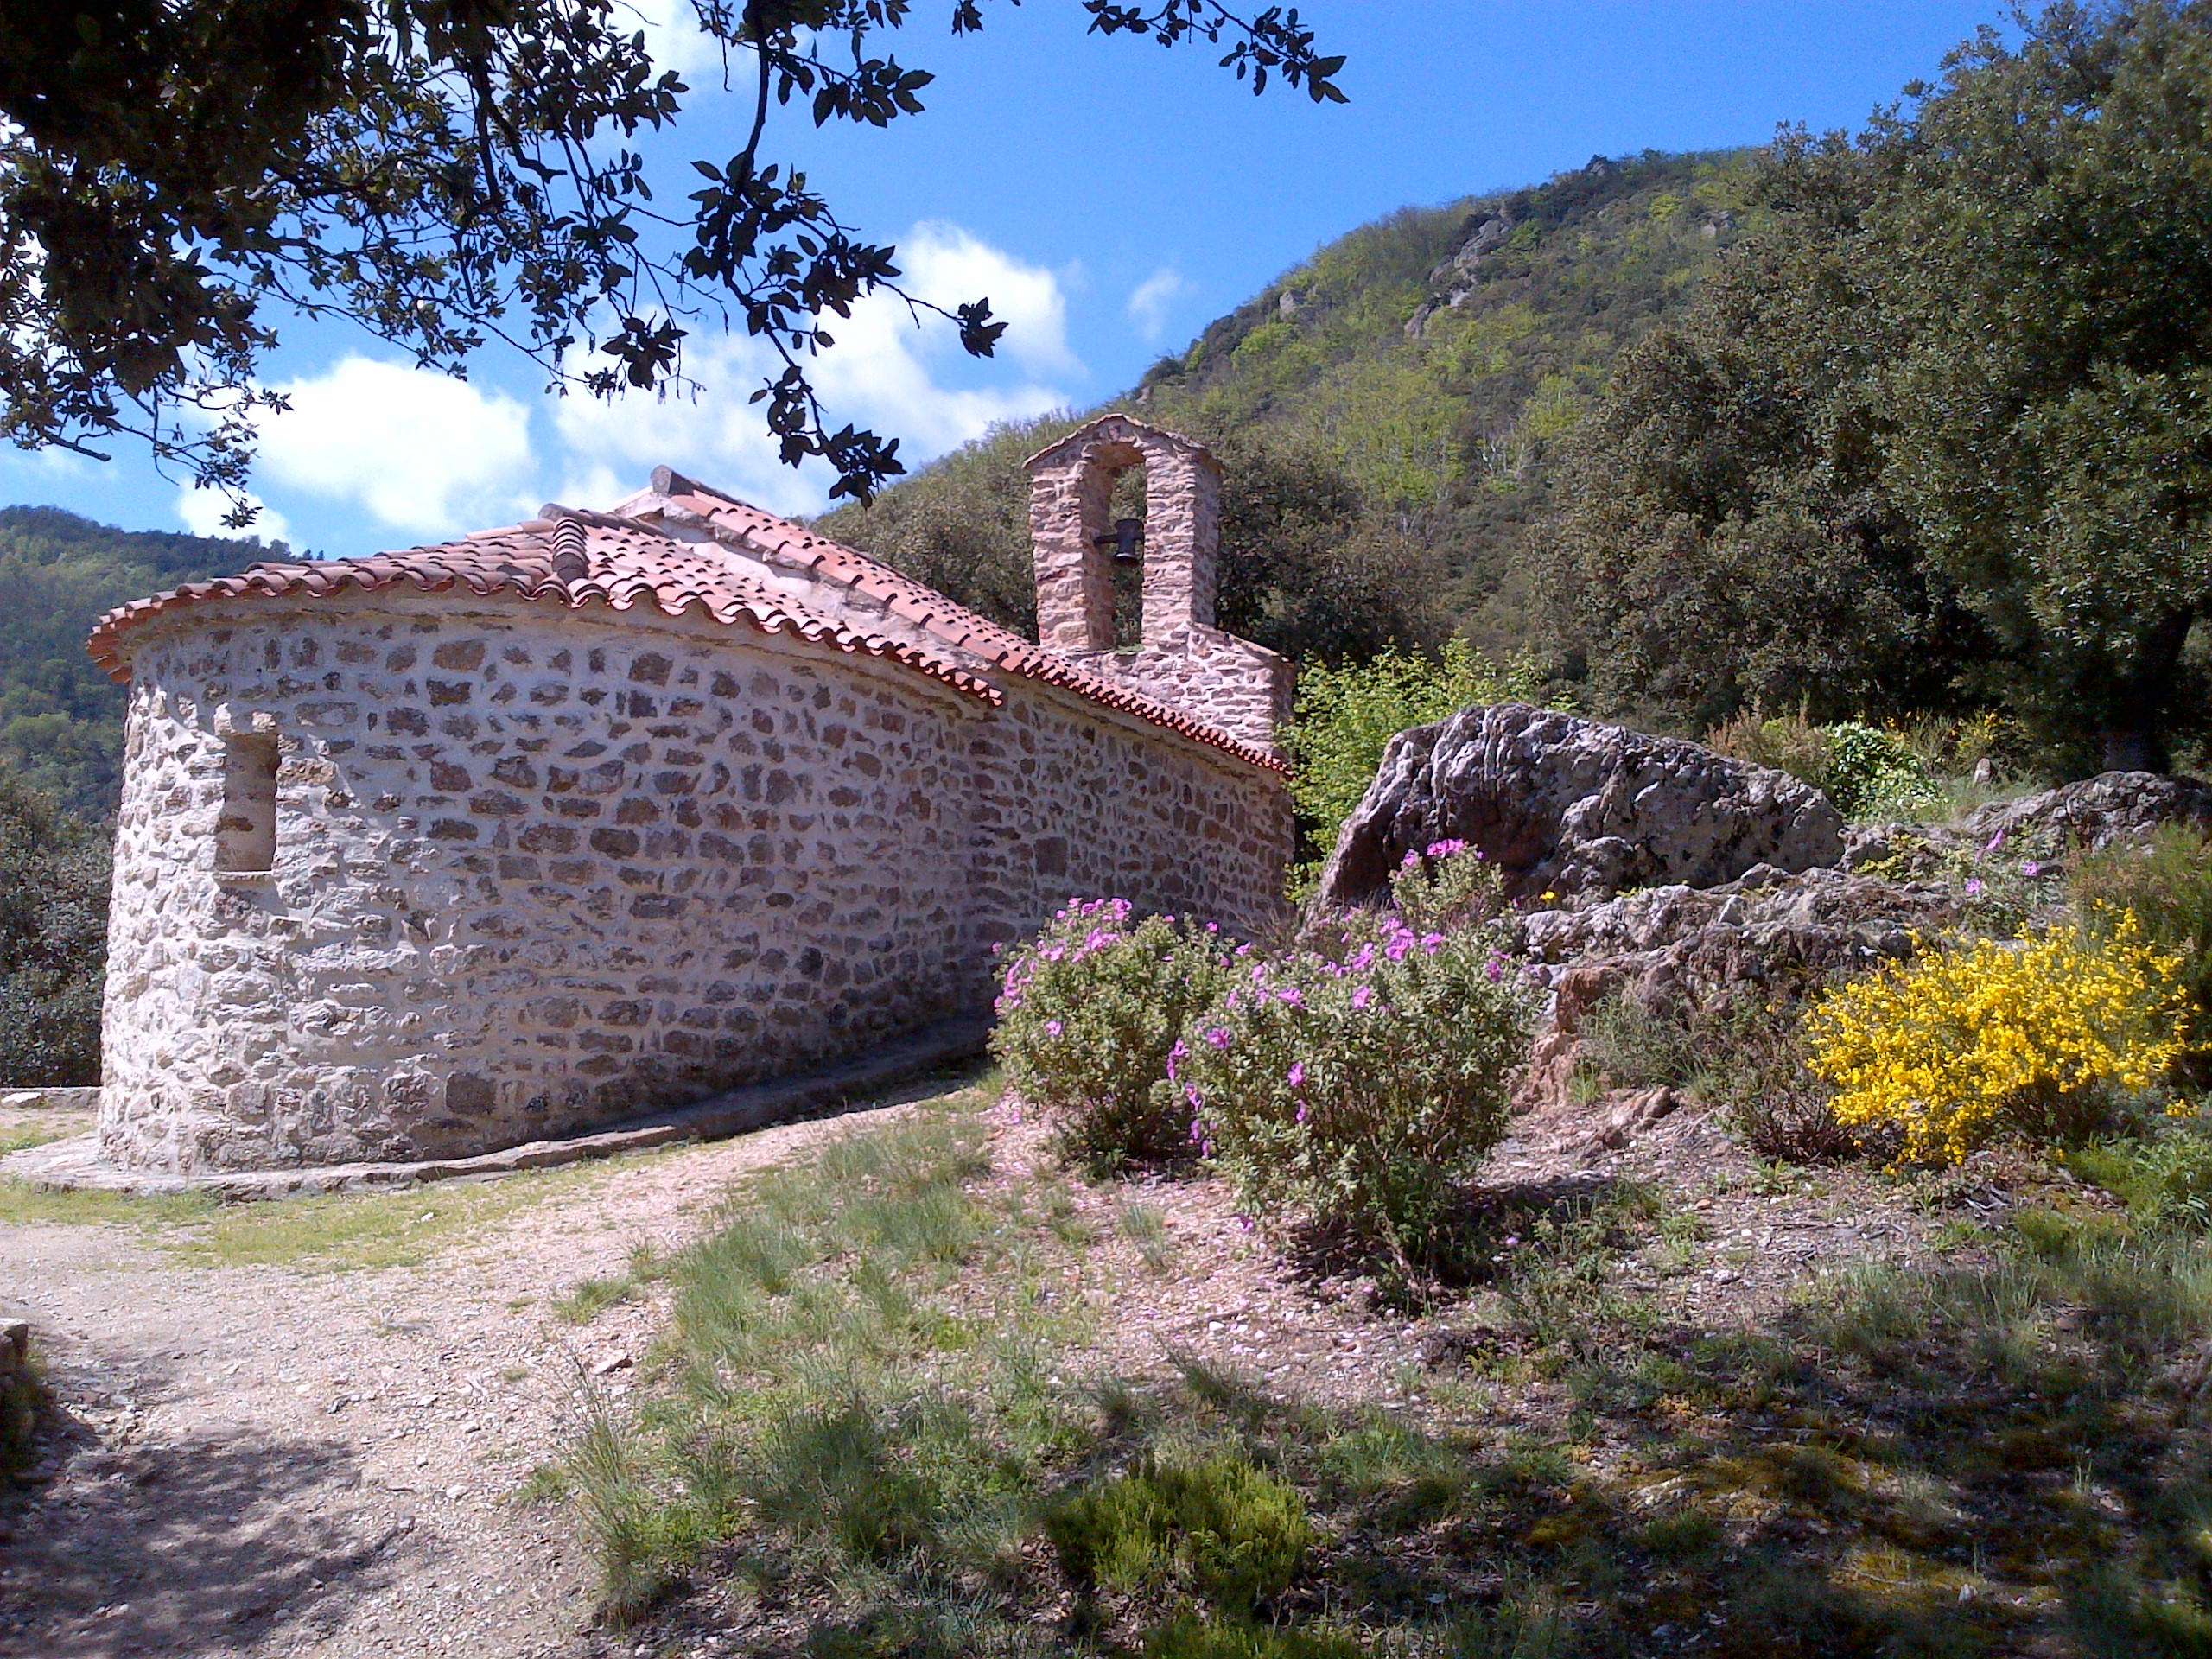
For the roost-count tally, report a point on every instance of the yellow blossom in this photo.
(1947, 1046)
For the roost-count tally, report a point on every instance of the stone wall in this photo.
(1242, 689)
(536, 869)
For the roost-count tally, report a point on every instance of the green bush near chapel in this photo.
(54, 881)
(1358, 1088)
(1088, 1012)
(1347, 716)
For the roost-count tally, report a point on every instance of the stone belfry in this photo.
(1181, 658)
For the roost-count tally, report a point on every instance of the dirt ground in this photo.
(325, 1458)
(270, 1459)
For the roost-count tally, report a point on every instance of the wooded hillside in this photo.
(1389, 411)
(61, 718)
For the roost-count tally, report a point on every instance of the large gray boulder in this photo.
(1574, 808)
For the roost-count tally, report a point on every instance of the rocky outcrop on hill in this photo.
(1769, 937)
(2050, 825)
(1571, 807)
(2111, 806)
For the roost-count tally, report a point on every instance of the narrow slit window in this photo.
(245, 835)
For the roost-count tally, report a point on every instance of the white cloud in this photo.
(421, 452)
(675, 41)
(202, 511)
(947, 266)
(1149, 300)
(886, 372)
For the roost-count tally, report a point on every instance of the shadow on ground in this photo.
(201, 1547)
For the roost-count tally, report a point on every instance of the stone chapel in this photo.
(442, 851)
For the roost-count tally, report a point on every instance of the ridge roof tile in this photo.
(625, 563)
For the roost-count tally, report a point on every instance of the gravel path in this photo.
(275, 1461)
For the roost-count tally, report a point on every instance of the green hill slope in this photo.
(61, 718)
(1406, 384)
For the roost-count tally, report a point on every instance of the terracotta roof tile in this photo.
(568, 562)
(581, 558)
(929, 609)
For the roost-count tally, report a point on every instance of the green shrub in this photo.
(2165, 883)
(1217, 1528)
(1631, 1047)
(1875, 774)
(1358, 1090)
(1088, 1014)
(1748, 1060)
(1790, 743)
(1194, 1638)
(1447, 886)
(2161, 1177)
(1867, 772)
(1346, 717)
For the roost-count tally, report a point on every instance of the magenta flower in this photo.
(1973, 886)
(1053, 1028)
(1446, 848)
(2031, 869)
(1494, 969)
(1295, 997)
(1363, 996)
(1301, 1113)
(1218, 1036)
(1995, 841)
(1296, 1080)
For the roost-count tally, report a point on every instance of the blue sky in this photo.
(1110, 197)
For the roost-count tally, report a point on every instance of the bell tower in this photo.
(1181, 658)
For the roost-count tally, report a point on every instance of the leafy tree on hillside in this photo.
(54, 882)
(1726, 538)
(2041, 222)
(445, 172)
(1942, 430)
(1425, 367)
(1306, 568)
(61, 717)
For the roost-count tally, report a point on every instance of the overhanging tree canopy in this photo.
(175, 174)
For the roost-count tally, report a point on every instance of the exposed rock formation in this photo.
(1767, 929)
(2110, 806)
(1569, 806)
(1768, 935)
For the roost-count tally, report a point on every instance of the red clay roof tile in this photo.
(582, 558)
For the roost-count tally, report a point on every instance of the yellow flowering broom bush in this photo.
(1967, 1038)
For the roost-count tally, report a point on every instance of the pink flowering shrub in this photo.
(1360, 1087)
(1088, 1013)
(1445, 887)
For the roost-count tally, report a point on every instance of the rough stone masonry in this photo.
(444, 850)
